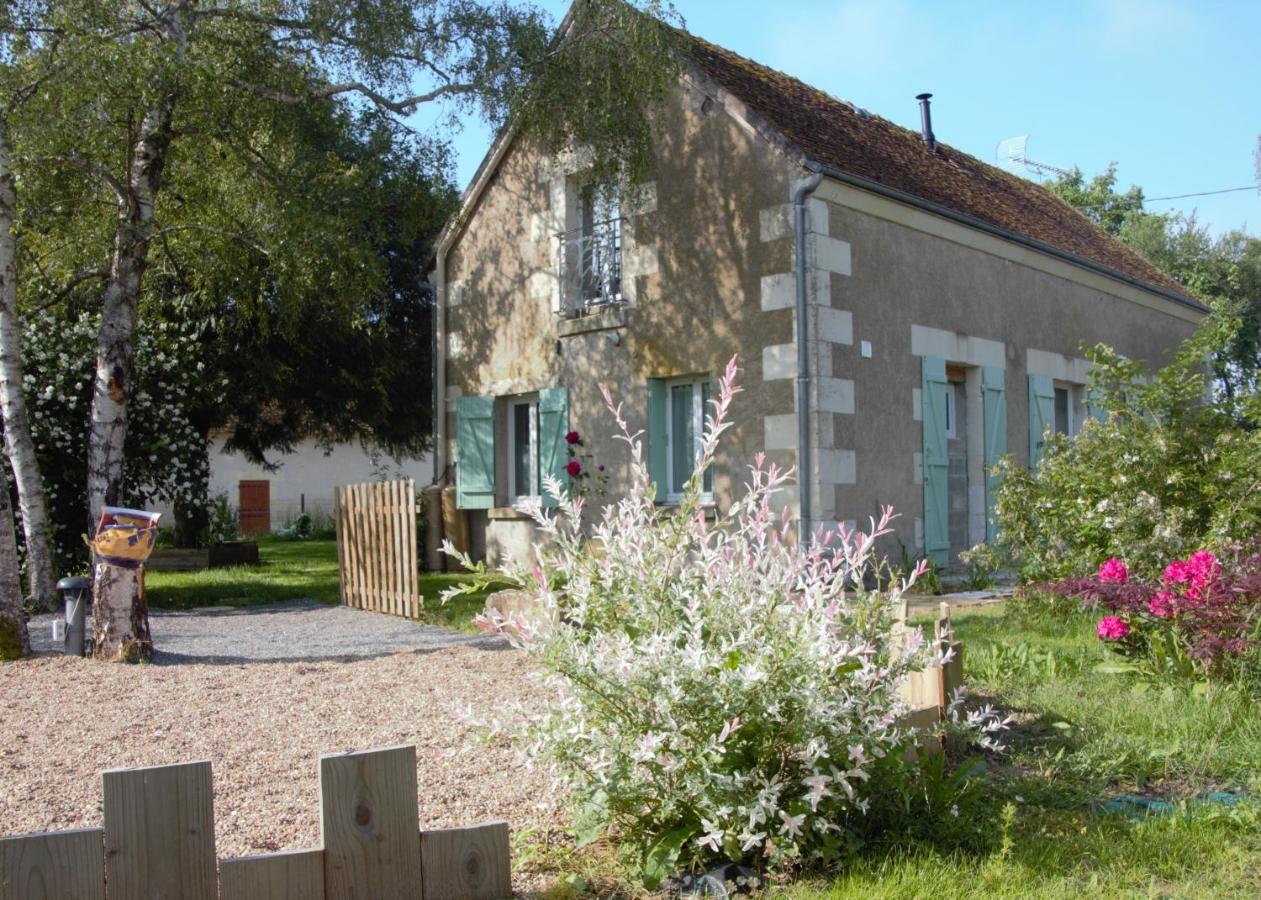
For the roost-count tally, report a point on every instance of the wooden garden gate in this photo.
(376, 547)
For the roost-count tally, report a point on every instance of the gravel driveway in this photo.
(334, 680)
(278, 632)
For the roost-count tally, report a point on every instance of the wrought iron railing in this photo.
(591, 266)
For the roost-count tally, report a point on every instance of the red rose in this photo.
(573, 437)
(574, 468)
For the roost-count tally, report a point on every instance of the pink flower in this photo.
(574, 468)
(573, 437)
(1177, 572)
(1114, 571)
(1161, 605)
(1110, 628)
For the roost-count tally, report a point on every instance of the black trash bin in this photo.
(77, 593)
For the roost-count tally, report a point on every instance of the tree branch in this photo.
(88, 168)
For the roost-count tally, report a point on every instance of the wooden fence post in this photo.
(295, 875)
(59, 865)
(370, 826)
(467, 863)
(160, 833)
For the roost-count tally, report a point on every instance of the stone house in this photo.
(904, 314)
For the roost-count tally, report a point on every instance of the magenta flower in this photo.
(1161, 605)
(1114, 571)
(573, 437)
(1110, 628)
(574, 468)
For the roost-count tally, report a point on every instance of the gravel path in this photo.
(264, 724)
(293, 630)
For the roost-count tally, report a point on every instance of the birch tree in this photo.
(139, 91)
(15, 642)
(19, 446)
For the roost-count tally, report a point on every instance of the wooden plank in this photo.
(361, 539)
(339, 534)
(370, 826)
(389, 517)
(348, 528)
(295, 875)
(57, 865)
(160, 833)
(412, 545)
(467, 863)
(396, 577)
(369, 546)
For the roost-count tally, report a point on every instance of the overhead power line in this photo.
(1251, 187)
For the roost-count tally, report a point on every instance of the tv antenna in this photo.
(1013, 153)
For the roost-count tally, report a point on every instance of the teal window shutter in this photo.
(553, 448)
(475, 452)
(995, 413)
(936, 462)
(658, 436)
(1041, 415)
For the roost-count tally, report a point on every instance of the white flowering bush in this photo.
(166, 454)
(1173, 468)
(723, 692)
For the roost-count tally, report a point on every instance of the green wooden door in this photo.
(936, 462)
(995, 413)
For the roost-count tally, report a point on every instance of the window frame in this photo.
(1076, 406)
(534, 489)
(701, 384)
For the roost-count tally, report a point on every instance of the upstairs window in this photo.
(591, 251)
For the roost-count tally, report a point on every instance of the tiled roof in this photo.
(840, 136)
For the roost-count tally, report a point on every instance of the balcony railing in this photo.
(591, 267)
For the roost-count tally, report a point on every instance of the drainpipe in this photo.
(440, 364)
(804, 189)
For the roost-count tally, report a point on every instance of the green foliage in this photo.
(223, 524)
(1172, 469)
(1223, 271)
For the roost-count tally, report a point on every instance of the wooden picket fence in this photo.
(158, 841)
(376, 547)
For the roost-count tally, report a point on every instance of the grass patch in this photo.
(1082, 737)
(292, 570)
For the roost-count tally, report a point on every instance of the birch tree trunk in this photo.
(114, 345)
(18, 443)
(120, 615)
(15, 642)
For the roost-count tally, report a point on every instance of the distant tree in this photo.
(1098, 198)
(1224, 272)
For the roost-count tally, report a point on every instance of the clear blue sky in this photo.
(1169, 89)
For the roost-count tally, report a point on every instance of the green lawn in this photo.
(1038, 829)
(291, 570)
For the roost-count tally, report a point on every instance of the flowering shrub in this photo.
(1170, 470)
(1199, 619)
(166, 452)
(721, 691)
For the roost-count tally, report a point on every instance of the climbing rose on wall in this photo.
(574, 468)
(573, 437)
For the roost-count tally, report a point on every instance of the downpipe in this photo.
(803, 190)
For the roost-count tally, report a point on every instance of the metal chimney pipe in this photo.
(926, 121)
